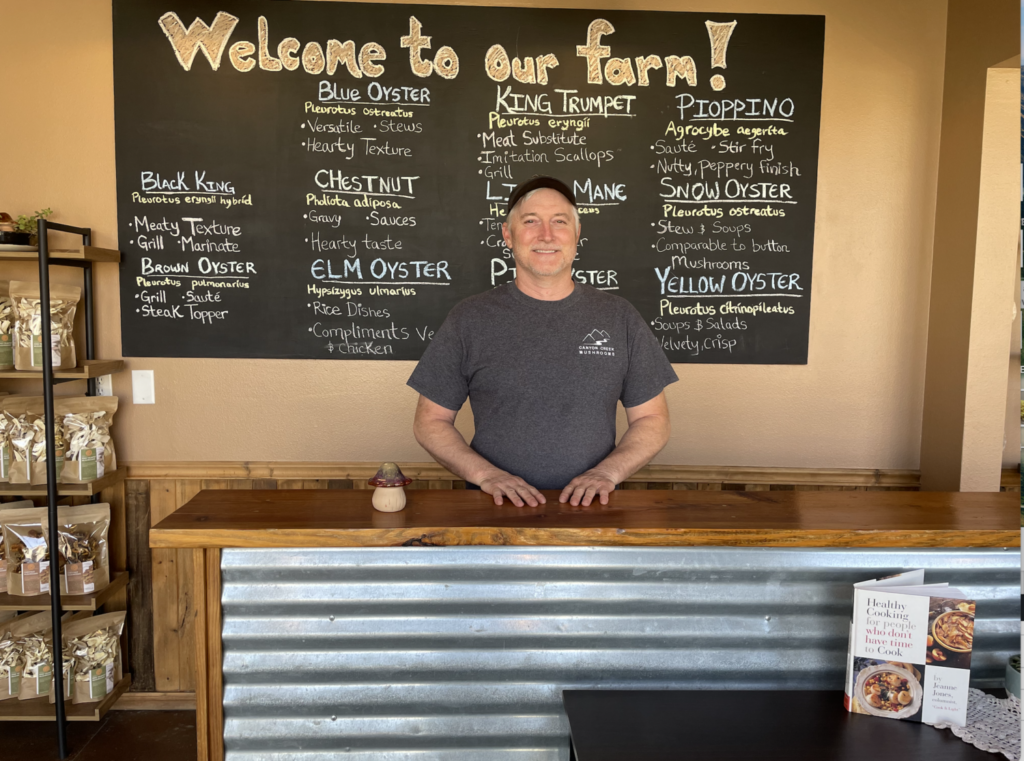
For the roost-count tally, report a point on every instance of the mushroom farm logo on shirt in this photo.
(597, 342)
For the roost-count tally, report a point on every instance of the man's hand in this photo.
(503, 484)
(647, 433)
(586, 486)
(435, 431)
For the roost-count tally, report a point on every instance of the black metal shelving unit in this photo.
(50, 378)
(51, 451)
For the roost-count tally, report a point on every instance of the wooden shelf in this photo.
(67, 602)
(80, 254)
(65, 490)
(41, 709)
(87, 368)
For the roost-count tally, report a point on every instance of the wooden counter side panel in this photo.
(184, 492)
(451, 537)
(200, 654)
(166, 629)
(214, 657)
(140, 587)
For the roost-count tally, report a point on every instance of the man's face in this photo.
(542, 234)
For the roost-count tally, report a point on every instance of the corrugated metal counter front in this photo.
(325, 629)
(423, 654)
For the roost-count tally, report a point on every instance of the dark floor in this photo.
(119, 736)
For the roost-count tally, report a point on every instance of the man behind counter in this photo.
(543, 361)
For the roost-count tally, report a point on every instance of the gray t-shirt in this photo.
(543, 376)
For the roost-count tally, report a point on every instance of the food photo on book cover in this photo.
(910, 650)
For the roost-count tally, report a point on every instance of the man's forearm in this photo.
(447, 446)
(638, 446)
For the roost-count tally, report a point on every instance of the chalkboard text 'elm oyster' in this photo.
(327, 180)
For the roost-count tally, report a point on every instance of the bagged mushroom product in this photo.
(10, 666)
(67, 667)
(89, 450)
(5, 441)
(95, 646)
(82, 542)
(36, 660)
(21, 434)
(12, 651)
(37, 454)
(28, 558)
(28, 325)
(6, 327)
(32, 410)
(3, 555)
(5, 450)
(10, 663)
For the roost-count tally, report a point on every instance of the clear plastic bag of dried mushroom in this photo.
(36, 662)
(95, 646)
(13, 654)
(29, 410)
(10, 662)
(28, 557)
(26, 657)
(82, 542)
(21, 435)
(29, 342)
(4, 506)
(5, 449)
(10, 666)
(67, 666)
(6, 327)
(88, 449)
(37, 455)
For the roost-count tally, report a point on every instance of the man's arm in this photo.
(434, 429)
(647, 435)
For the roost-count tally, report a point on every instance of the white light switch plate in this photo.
(105, 385)
(143, 389)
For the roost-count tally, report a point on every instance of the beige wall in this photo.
(995, 272)
(1012, 430)
(956, 441)
(857, 404)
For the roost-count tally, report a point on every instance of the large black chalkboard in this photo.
(267, 208)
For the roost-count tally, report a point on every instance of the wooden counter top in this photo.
(345, 518)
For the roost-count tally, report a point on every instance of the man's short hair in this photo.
(535, 183)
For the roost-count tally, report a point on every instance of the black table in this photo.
(671, 725)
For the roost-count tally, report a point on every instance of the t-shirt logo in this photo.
(597, 342)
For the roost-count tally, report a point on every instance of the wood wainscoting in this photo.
(163, 613)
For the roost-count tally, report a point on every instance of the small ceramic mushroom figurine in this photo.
(389, 496)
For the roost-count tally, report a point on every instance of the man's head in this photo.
(542, 229)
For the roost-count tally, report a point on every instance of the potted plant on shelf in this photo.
(21, 231)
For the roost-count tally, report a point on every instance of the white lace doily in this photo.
(992, 724)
